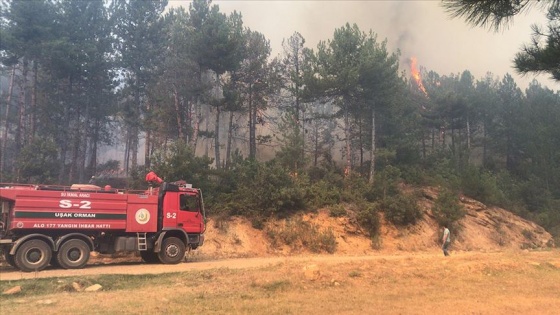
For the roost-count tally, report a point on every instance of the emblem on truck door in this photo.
(142, 216)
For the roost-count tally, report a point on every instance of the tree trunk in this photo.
(92, 167)
(229, 141)
(252, 126)
(20, 131)
(484, 145)
(468, 134)
(347, 141)
(7, 122)
(316, 143)
(196, 126)
(76, 147)
(207, 128)
(135, 130)
(217, 126)
(361, 143)
(178, 112)
(217, 137)
(372, 152)
(127, 152)
(148, 141)
(33, 102)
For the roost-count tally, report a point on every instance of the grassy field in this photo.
(416, 283)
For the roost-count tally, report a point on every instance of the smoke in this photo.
(404, 16)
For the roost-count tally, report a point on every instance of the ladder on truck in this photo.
(142, 243)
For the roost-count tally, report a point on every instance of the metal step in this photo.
(142, 243)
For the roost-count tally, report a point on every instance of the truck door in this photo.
(189, 217)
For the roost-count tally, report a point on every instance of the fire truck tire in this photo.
(149, 257)
(9, 258)
(73, 254)
(33, 255)
(172, 251)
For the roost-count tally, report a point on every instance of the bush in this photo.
(386, 183)
(447, 210)
(368, 218)
(356, 188)
(337, 211)
(298, 233)
(481, 186)
(402, 210)
(323, 193)
(265, 190)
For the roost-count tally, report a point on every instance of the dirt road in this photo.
(137, 267)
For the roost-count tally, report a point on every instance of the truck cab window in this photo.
(188, 203)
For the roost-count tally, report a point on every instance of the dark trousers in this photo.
(445, 247)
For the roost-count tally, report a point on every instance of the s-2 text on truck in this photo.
(60, 226)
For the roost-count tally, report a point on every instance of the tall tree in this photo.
(379, 82)
(254, 83)
(486, 103)
(223, 44)
(511, 101)
(138, 27)
(27, 28)
(293, 63)
(338, 61)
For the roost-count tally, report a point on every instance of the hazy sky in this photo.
(418, 28)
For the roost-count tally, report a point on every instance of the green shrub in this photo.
(368, 218)
(298, 233)
(386, 183)
(446, 209)
(265, 190)
(356, 188)
(323, 193)
(337, 211)
(413, 175)
(402, 210)
(482, 186)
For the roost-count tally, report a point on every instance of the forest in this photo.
(194, 94)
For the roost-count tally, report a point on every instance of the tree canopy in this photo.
(542, 55)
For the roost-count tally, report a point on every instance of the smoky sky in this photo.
(420, 29)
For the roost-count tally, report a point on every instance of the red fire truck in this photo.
(60, 226)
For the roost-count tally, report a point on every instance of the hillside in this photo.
(482, 229)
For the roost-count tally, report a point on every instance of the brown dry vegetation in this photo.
(406, 283)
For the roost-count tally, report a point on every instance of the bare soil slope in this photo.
(482, 229)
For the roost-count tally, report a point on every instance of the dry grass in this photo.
(426, 283)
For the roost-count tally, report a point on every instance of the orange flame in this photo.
(416, 75)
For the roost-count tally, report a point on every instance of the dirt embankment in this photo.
(482, 229)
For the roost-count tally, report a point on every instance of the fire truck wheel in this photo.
(172, 251)
(33, 255)
(73, 254)
(149, 257)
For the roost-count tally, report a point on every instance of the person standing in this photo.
(446, 240)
